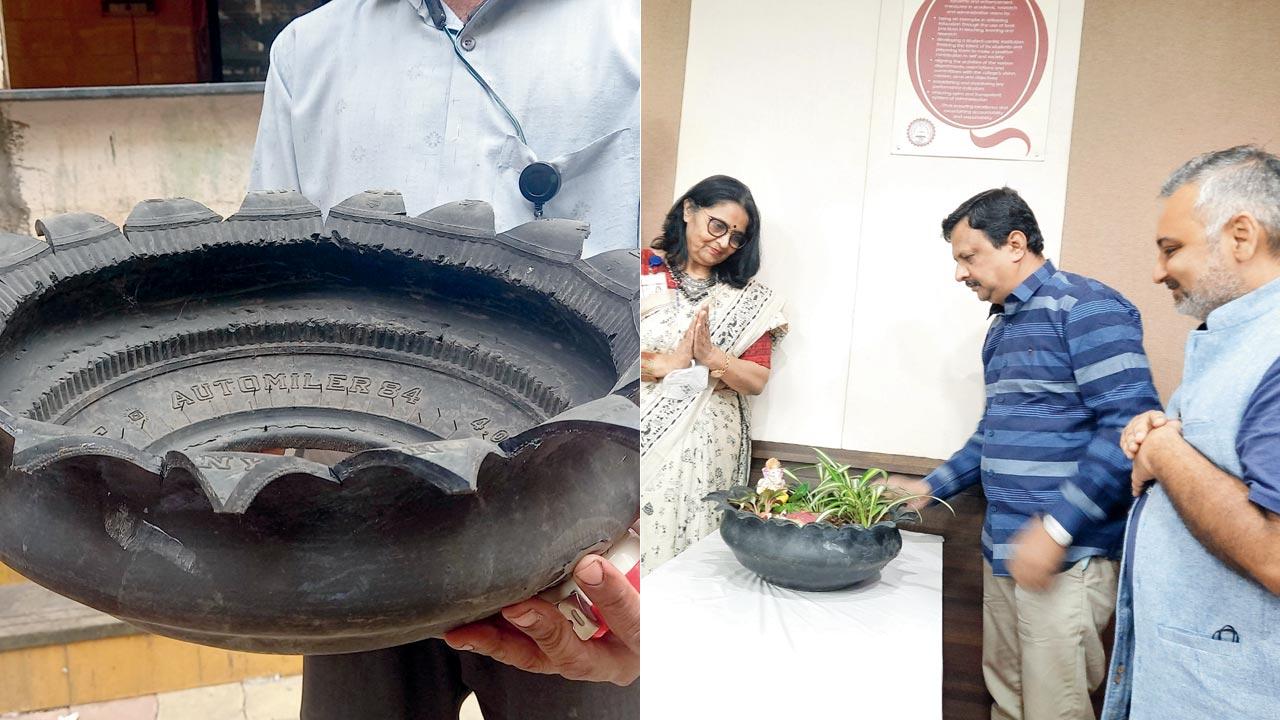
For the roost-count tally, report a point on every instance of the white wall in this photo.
(106, 155)
(883, 354)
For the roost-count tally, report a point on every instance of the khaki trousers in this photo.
(1042, 653)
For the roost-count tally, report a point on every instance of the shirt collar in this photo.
(1246, 307)
(1023, 292)
(420, 7)
(451, 19)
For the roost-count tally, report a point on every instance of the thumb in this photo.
(614, 596)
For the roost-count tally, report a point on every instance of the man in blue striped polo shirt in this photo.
(1065, 371)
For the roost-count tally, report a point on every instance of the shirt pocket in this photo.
(1188, 674)
(1186, 639)
(599, 182)
(514, 155)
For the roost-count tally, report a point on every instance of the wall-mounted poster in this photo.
(975, 79)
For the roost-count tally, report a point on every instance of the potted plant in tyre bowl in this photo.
(828, 535)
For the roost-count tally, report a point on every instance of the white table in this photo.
(719, 642)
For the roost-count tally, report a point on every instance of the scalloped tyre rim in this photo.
(814, 556)
(484, 382)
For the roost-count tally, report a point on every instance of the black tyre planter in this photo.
(484, 383)
(814, 556)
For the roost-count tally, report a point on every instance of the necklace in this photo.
(694, 289)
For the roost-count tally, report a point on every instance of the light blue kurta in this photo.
(368, 94)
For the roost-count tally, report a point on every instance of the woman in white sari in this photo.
(707, 332)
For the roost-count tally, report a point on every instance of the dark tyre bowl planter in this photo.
(483, 383)
(815, 556)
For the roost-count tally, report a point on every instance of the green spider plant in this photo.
(844, 498)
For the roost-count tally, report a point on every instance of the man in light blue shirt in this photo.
(447, 101)
(405, 95)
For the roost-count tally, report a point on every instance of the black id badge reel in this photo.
(539, 182)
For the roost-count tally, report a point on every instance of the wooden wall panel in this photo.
(34, 679)
(664, 40)
(1159, 83)
(70, 43)
(8, 575)
(87, 672)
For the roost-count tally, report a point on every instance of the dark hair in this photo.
(744, 263)
(997, 212)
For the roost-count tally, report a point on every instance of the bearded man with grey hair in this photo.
(1198, 614)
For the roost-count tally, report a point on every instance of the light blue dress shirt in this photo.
(369, 94)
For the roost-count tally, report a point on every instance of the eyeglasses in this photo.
(716, 228)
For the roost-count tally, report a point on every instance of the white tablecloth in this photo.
(720, 643)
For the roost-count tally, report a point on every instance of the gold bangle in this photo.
(721, 371)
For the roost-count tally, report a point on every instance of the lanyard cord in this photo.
(436, 10)
(453, 37)
(539, 181)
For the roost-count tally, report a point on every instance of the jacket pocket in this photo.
(1197, 641)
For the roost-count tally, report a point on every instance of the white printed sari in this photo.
(692, 446)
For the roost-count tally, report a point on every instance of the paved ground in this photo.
(261, 699)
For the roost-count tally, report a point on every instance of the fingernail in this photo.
(464, 646)
(526, 620)
(591, 573)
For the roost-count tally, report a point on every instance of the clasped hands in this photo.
(1142, 440)
(695, 344)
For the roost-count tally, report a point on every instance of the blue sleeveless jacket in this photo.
(1174, 655)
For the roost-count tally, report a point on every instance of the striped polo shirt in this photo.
(1065, 372)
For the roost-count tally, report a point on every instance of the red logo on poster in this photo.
(975, 63)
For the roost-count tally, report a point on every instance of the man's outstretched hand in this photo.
(534, 636)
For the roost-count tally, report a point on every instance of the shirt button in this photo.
(468, 43)
(991, 433)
